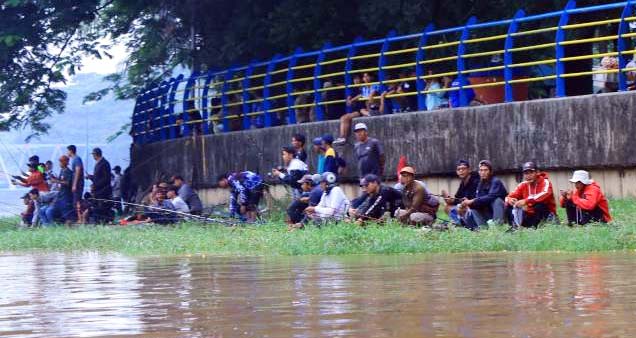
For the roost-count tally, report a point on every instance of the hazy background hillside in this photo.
(86, 126)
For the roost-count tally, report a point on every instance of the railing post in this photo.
(382, 58)
(135, 118)
(224, 100)
(348, 65)
(163, 89)
(508, 60)
(171, 103)
(461, 63)
(151, 115)
(266, 83)
(560, 50)
(142, 115)
(317, 84)
(289, 86)
(246, 96)
(205, 114)
(420, 70)
(186, 103)
(623, 28)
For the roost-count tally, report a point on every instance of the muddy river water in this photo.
(468, 295)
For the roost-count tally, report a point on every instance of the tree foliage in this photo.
(42, 42)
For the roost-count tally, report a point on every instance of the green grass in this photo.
(273, 238)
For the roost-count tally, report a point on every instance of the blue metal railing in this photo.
(212, 93)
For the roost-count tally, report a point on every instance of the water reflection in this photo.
(509, 295)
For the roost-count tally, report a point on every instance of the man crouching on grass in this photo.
(586, 202)
(418, 203)
(377, 200)
(533, 201)
(333, 204)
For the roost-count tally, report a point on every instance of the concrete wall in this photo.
(590, 132)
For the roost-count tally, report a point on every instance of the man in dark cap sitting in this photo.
(488, 204)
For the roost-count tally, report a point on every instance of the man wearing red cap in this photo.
(418, 209)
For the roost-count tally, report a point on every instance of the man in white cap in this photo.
(586, 202)
(333, 204)
(369, 152)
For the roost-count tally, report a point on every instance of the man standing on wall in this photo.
(368, 152)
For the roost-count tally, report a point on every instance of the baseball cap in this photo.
(306, 179)
(316, 178)
(327, 138)
(408, 170)
(529, 166)
(371, 178)
(486, 163)
(360, 126)
(464, 163)
(317, 141)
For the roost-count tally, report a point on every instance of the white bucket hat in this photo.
(581, 176)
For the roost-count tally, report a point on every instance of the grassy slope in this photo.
(273, 239)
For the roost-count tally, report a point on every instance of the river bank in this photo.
(272, 238)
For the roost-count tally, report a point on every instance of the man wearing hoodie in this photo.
(488, 204)
(467, 189)
(586, 202)
(533, 201)
(333, 204)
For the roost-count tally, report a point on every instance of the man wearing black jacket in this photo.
(379, 199)
(101, 188)
(466, 191)
(488, 203)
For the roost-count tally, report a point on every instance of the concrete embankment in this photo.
(594, 132)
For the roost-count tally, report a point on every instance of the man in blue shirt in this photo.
(77, 184)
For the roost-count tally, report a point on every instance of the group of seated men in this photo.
(481, 199)
(166, 203)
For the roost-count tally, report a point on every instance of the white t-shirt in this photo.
(332, 205)
(180, 204)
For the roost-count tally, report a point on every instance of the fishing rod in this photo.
(203, 219)
(11, 155)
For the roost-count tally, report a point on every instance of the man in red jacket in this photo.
(533, 201)
(586, 202)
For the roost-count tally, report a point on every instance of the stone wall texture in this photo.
(589, 132)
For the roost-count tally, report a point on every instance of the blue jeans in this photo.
(477, 218)
(62, 209)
